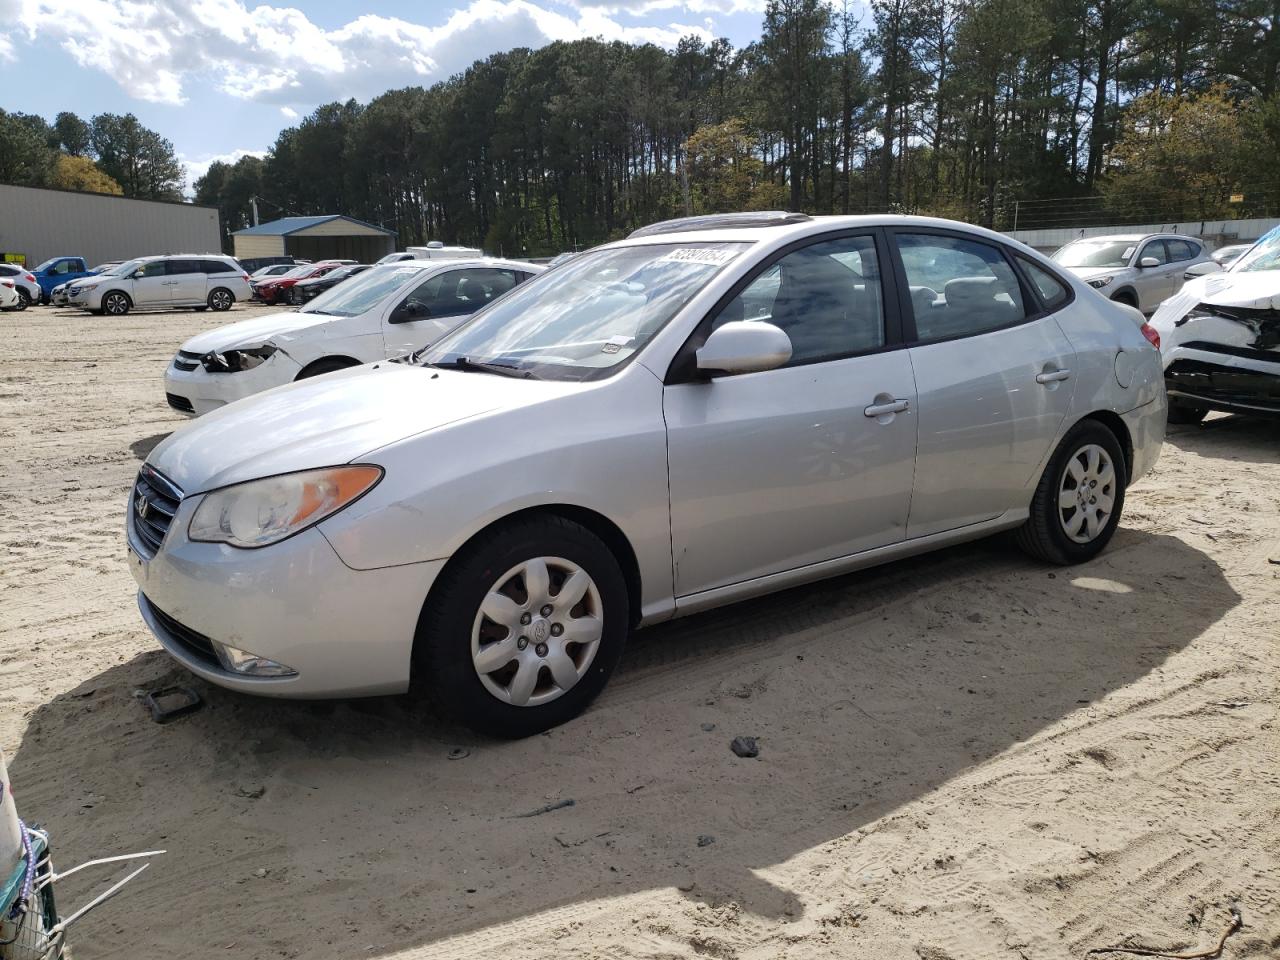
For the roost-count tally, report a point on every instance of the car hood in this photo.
(280, 328)
(333, 419)
(1247, 314)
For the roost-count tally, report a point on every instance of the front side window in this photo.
(156, 268)
(959, 287)
(826, 297)
(586, 318)
(1156, 249)
(459, 292)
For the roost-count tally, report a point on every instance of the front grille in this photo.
(152, 504)
(186, 361)
(196, 644)
(179, 403)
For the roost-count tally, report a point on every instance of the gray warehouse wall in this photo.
(50, 223)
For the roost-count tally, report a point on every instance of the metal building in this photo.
(36, 224)
(330, 237)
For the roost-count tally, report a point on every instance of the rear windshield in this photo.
(1263, 255)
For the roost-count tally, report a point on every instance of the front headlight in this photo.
(84, 287)
(262, 512)
(233, 361)
(1099, 282)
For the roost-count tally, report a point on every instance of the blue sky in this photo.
(221, 77)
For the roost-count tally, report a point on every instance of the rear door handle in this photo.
(1053, 377)
(881, 409)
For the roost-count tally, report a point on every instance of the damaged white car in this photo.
(384, 312)
(1220, 338)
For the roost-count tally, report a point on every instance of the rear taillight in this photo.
(30, 278)
(245, 275)
(1152, 336)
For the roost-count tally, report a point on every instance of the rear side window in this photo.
(1180, 250)
(1052, 291)
(959, 287)
(216, 266)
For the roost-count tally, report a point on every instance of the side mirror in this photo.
(1202, 268)
(1147, 263)
(743, 346)
(139, 274)
(409, 310)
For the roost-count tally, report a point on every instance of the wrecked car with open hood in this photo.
(1220, 338)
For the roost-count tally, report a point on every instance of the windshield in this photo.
(586, 318)
(1263, 255)
(1096, 253)
(122, 269)
(364, 292)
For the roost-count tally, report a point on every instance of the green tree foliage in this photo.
(974, 109)
(139, 159)
(81, 173)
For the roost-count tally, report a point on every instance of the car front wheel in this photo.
(115, 304)
(1077, 503)
(524, 627)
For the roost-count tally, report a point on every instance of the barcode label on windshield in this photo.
(715, 258)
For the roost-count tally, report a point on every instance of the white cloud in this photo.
(198, 168)
(289, 113)
(155, 49)
(6, 49)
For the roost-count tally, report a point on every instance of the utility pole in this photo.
(253, 203)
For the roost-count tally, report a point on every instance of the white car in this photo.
(1220, 339)
(24, 282)
(384, 312)
(272, 270)
(1139, 269)
(435, 250)
(9, 299)
(205, 281)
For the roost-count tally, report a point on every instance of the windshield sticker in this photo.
(614, 344)
(715, 258)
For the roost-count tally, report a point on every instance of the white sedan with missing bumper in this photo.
(706, 411)
(383, 312)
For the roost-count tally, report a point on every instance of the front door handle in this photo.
(1053, 376)
(883, 409)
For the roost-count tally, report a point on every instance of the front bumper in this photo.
(86, 300)
(346, 632)
(197, 392)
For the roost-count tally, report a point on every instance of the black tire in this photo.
(1043, 535)
(443, 667)
(1182, 413)
(324, 365)
(1128, 299)
(291, 298)
(199, 309)
(44, 298)
(220, 300)
(116, 304)
(24, 299)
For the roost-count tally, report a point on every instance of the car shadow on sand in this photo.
(1226, 436)
(141, 449)
(367, 827)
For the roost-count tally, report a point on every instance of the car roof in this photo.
(1135, 237)
(798, 228)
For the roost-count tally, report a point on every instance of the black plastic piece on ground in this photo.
(169, 703)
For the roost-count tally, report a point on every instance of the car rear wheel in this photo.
(291, 297)
(1078, 501)
(523, 628)
(24, 299)
(1182, 413)
(220, 300)
(116, 304)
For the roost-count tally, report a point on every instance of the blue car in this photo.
(58, 270)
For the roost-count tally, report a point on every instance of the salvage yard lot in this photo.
(966, 755)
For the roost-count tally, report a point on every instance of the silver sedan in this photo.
(709, 410)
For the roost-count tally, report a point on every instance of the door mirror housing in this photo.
(1202, 268)
(744, 346)
(409, 310)
(1146, 263)
(139, 274)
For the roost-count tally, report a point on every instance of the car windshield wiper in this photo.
(485, 366)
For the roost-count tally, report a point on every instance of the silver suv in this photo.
(1140, 269)
(204, 281)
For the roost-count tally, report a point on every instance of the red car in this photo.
(280, 289)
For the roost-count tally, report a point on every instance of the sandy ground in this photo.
(963, 756)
